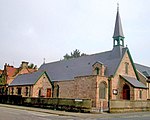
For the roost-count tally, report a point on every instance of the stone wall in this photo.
(128, 106)
(33, 90)
(66, 88)
(43, 83)
(14, 90)
(117, 82)
(137, 94)
(84, 87)
(143, 79)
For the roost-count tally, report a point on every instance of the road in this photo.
(16, 114)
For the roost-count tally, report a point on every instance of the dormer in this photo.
(98, 68)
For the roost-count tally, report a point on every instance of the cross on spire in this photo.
(43, 60)
(118, 6)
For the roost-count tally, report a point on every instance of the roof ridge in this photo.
(77, 57)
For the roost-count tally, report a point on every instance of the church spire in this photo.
(118, 32)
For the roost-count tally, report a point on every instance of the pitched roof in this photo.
(134, 82)
(26, 79)
(118, 26)
(68, 69)
(145, 70)
(11, 71)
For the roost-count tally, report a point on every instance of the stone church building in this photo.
(100, 77)
(110, 75)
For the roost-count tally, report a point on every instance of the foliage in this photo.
(32, 66)
(2, 79)
(75, 54)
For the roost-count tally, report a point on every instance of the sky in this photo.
(31, 30)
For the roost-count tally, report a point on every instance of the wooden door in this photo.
(126, 92)
(49, 92)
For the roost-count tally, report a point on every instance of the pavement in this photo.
(75, 114)
(55, 112)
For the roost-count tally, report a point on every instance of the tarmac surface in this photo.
(14, 112)
(55, 112)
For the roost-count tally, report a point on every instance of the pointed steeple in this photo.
(118, 32)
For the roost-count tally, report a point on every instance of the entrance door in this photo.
(49, 92)
(126, 92)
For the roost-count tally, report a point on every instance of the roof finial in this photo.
(43, 60)
(118, 6)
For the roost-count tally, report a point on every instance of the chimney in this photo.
(24, 64)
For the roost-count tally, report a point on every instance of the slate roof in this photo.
(145, 70)
(118, 26)
(134, 82)
(68, 69)
(26, 79)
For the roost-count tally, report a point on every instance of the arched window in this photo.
(19, 91)
(12, 91)
(102, 90)
(126, 67)
(39, 95)
(140, 94)
(116, 42)
(26, 91)
(97, 71)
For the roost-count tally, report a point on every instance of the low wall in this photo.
(129, 105)
(79, 105)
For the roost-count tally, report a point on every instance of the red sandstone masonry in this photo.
(42, 83)
(117, 82)
(83, 87)
(88, 86)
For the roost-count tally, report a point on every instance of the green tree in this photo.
(66, 57)
(75, 54)
(32, 66)
(2, 80)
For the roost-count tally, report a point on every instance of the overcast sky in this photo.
(31, 30)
